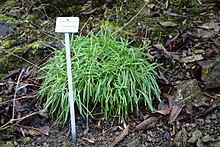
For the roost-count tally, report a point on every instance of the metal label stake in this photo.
(69, 25)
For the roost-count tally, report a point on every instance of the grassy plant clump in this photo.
(109, 76)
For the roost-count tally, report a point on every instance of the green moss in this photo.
(26, 140)
(120, 14)
(9, 61)
(34, 45)
(11, 129)
(65, 144)
(31, 17)
(9, 4)
(1, 76)
(3, 98)
(8, 43)
(9, 144)
(10, 20)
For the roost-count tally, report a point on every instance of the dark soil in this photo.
(185, 51)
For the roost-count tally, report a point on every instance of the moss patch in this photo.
(9, 20)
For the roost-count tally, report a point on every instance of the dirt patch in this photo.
(188, 42)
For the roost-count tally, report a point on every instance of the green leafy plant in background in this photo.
(109, 76)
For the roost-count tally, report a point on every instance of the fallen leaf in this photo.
(165, 111)
(190, 59)
(168, 24)
(89, 140)
(38, 131)
(208, 138)
(175, 110)
(120, 137)
(199, 143)
(148, 123)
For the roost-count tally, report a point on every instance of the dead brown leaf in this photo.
(38, 131)
(148, 123)
(174, 108)
(175, 111)
(165, 111)
(120, 137)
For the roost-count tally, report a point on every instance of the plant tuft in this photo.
(109, 76)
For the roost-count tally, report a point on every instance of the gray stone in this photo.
(207, 121)
(211, 72)
(187, 91)
(213, 116)
(195, 136)
(201, 121)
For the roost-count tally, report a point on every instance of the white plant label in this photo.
(67, 24)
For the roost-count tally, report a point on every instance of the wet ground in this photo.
(189, 114)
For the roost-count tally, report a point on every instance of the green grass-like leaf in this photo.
(106, 73)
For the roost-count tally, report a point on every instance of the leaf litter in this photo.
(180, 55)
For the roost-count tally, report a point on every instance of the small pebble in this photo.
(213, 116)
(144, 135)
(117, 133)
(146, 144)
(201, 121)
(207, 121)
(193, 125)
(15, 143)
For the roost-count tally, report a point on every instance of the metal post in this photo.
(70, 86)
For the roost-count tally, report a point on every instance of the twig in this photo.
(120, 137)
(18, 120)
(199, 1)
(148, 123)
(131, 19)
(16, 89)
(21, 98)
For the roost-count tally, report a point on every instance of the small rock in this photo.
(146, 144)
(117, 133)
(144, 135)
(111, 134)
(207, 138)
(207, 121)
(181, 137)
(199, 51)
(206, 33)
(134, 143)
(188, 91)
(195, 136)
(213, 116)
(115, 128)
(15, 143)
(218, 114)
(201, 121)
(90, 135)
(210, 72)
(199, 143)
(193, 125)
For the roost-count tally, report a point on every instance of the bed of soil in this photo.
(183, 35)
